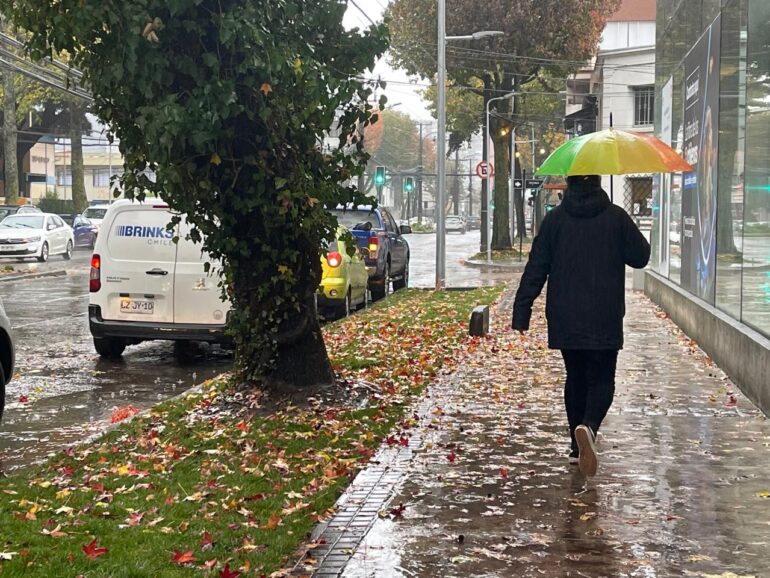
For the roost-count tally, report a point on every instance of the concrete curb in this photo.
(496, 266)
(57, 273)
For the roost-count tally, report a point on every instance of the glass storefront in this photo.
(712, 227)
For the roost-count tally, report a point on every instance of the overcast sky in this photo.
(400, 89)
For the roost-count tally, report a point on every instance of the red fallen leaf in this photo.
(732, 401)
(451, 457)
(23, 399)
(398, 511)
(135, 519)
(93, 551)
(504, 472)
(207, 541)
(243, 426)
(390, 440)
(521, 405)
(255, 498)
(179, 558)
(169, 500)
(123, 413)
(71, 557)
(404, 441)
(227, 573)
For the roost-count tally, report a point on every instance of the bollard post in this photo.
(479, 325)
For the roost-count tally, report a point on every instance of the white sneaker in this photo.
(588, 460)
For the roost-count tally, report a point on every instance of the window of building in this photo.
(102, 178)
(63, 177)
(644, 105)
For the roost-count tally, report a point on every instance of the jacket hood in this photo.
(585, 200)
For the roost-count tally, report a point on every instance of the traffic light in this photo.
(409, 184)
(379, 176)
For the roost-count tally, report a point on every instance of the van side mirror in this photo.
(405, 229)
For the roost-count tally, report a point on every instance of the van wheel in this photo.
(68, 252)
(109, 347)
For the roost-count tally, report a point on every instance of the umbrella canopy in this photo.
(613, 152)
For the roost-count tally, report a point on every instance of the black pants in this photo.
(590, 387)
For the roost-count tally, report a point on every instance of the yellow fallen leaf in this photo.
(764, 494)
(215, 159)
(587, 516)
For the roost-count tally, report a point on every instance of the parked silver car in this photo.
(7, 355)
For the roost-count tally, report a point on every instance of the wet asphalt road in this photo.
(458, 248)
(63, 391)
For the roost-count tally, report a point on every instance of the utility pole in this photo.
(470, 187)
(484, 188)
(456, 185)
(419, 181)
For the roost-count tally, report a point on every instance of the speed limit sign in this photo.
(485, 169)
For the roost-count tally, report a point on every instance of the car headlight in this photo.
(34, 239)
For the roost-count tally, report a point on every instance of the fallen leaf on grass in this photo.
(180, 558)
(93, 551)
(8, 555)
(227, 573)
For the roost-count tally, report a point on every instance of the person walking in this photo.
(582, 250)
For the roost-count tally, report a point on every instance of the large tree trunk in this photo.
(302, 359)
(9, 138)
(79, 197)
(295, 356)
(501, 234)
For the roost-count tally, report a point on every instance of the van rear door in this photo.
(196, 293)
(138, 269)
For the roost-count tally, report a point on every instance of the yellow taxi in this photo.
(345, 279)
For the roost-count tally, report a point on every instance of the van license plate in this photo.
(134, 307)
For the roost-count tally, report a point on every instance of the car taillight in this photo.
(95, 280)
(374, 245)
(334, 259)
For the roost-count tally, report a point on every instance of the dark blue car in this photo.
(85, 232)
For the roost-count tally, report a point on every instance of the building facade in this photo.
(711, 231)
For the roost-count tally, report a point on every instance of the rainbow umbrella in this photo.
(613, 152)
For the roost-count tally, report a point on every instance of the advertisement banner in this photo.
(701, 138)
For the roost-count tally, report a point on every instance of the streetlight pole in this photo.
(441, 130)
(491, 193)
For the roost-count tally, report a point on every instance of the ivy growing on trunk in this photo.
(229, 103)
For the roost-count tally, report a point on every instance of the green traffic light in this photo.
(379, 176)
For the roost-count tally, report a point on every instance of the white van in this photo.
(144, 286)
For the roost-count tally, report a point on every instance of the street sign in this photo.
(534, 183)
(485, 170)
(517, 184)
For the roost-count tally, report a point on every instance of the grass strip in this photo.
(215, 479)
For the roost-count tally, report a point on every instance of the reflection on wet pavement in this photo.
(683, 486)
(63, 391)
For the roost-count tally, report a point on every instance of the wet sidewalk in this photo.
(480, 484)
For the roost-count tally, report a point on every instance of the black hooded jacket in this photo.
(582, 249)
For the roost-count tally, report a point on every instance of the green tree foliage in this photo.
(543, 39)
(229, 102)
